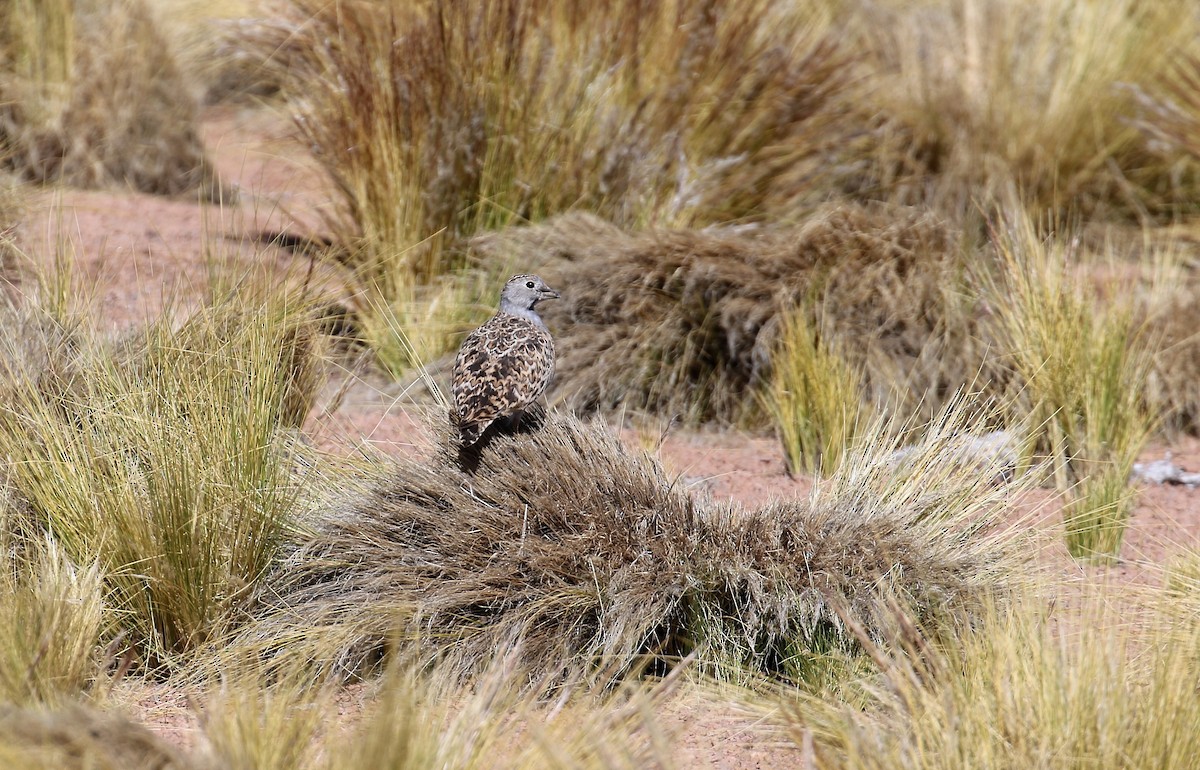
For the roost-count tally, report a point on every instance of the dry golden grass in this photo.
(425, 717)
(644, 109)
(584, 553)
(166, 460)
(437, 121)
(1027, 687)
(78, 737)
(1082, 367)
(975, 97)
(1171, 112)
(53, 621)
(685, 321)
(93, 97)
(688, 174)
(208, 40)
(814, 397)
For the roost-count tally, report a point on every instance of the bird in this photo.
(504, 366)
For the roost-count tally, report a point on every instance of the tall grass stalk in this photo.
(988, 93)
(1025, 687)
(52, 619)
(165, 461)
(427, 717)
(411, 325)
(1083, 364)
(437, 121)
(814, 397)
(38, 38)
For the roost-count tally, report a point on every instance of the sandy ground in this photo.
(140, 254)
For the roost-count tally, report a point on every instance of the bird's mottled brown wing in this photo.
(503, 367)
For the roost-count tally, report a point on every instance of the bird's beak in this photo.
(549, 293)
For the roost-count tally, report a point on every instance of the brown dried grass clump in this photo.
(169, 460)
(685, 322)
(78, 737)
(92, 96)
(1069, 101)
(1173, 383)
(438, 121)
(583, 552)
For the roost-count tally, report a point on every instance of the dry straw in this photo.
(424, 716)
(687, 321)
(585, 553)
(966, 99)
(1084, 683)
(437, 121)
(166, 460)
(92, 96)
(78, 737)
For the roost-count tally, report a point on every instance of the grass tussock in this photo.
(1083, 368)
(52, 623)
(1053, 97)
(813, 398)
(426, 717)
(78, 737)
(165, 460)
(93, 97)
(584, 553)
(1026, 687)
(686, 321)
(437, 121)
(1173, 383)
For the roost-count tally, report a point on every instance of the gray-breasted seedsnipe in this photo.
(504, 366)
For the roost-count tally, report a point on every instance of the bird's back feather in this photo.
(502, 368)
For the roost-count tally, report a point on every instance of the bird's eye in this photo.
(529, 284)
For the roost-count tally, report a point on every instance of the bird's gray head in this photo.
(523, 292)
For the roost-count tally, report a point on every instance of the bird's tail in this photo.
(470, 433)
(470, 451)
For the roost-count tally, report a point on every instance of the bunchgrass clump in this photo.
(1083, 366)
(813, 398)
(52, 622)
(437, 121)
(1026, 686)
(165, 460)
(584, 553)
(91, 95)
(969, 99)
(684, 322)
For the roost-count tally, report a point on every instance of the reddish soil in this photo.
(140, 254)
